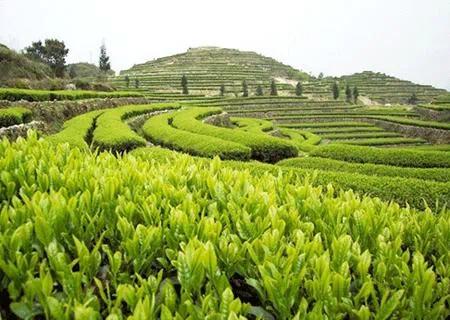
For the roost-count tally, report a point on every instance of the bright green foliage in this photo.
(394, 157)
(358, 135)
(77, 131)
(304, 140)
(416, 193)
(253, 125)
(111, 133)
(381, 141)
(87, 236)
(264, 148)
(437, 174)
(44, 95)
(14, 115)
(159, 130)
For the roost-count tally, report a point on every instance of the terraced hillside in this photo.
(207, 69)
(378, 87)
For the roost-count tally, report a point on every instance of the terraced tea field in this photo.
(175, 206)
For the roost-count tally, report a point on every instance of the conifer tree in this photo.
(355, 94)
(348, 93)
(299, 89)
(184, 84)
(335, 90)
(259, 90)
(413, 99)
(136, 83)
(273, 88)
(127, 81)
(104, 63)
(222, 90)
(244, 89)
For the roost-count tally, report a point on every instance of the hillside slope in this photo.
(207, 68)
(86, 70)
(377, 86)
(15, 66)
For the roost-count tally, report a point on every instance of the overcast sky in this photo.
(409, 39)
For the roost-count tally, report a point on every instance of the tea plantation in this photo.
(150, 203)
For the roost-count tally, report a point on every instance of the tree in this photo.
(320, 77)
(273, 88)
(127, 81)
(299, 89)
(222, 90)
(103, 62)
(53, 53)
(259, 90)
(355, 94)
(184, 84)
(348, 93)
(72, 72)
(413, 99)
(244, 89)
(335, 90)
(136, 83)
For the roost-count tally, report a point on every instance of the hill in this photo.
(14, 66)
(86, 70)
(207, 68)
(377, 86)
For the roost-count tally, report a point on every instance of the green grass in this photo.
(12, 94)
(14, 115)
(158, 129)
(395, 156)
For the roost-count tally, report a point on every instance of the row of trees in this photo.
(350, 95)
(53, 53)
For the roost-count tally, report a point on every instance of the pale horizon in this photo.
(405, 39)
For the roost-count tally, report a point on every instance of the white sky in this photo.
(409, 39)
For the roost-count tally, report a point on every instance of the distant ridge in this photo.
(209, 67)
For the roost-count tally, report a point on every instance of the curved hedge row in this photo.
(159, 130)
(46, 95)
(436, 174)
(359, 135)
(15, 115)
(381, 141)
(252, 124)
(113, 134)
(394, 157)
(76, 130)
(303, 140)
(264, 148)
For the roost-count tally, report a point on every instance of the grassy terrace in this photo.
(12, 94)
(16, 115)
(207, 69)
